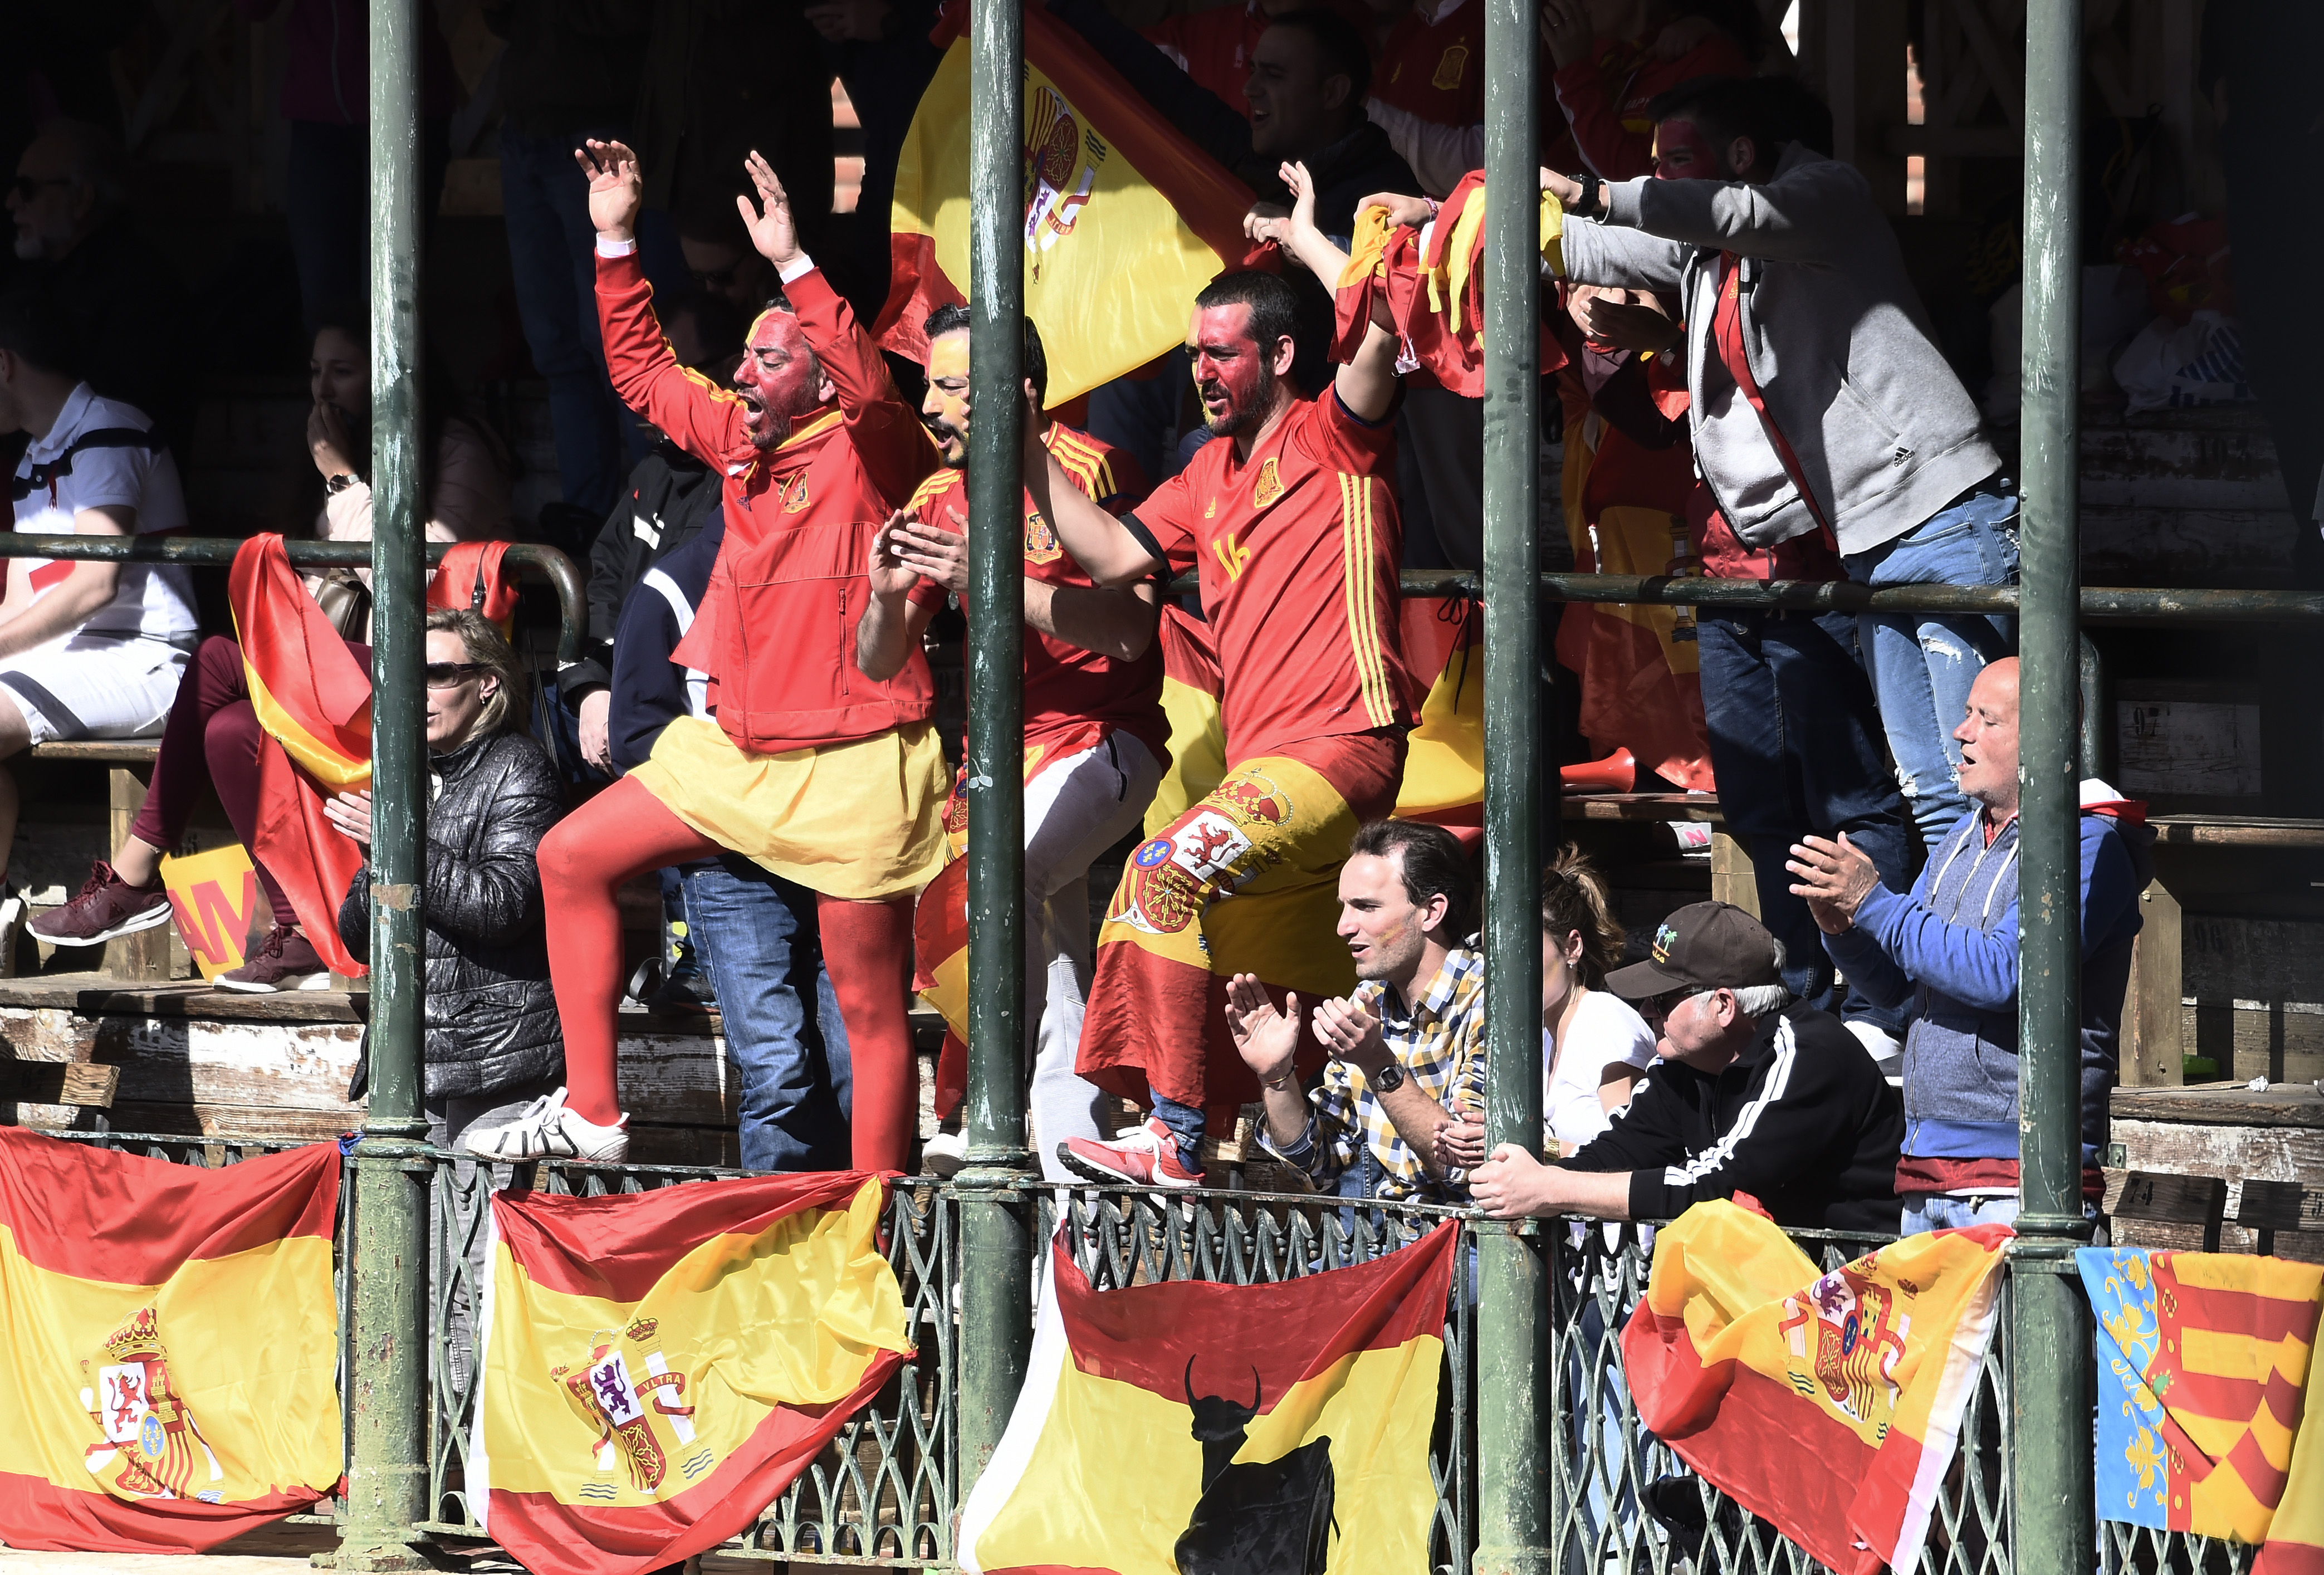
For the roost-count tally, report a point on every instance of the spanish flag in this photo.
(2204, 1364)
(658, 1366)
(1185, 1428)
(169, 1346)
(1827, 1404)
(1125, 218)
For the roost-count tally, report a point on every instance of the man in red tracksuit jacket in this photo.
(810, 769)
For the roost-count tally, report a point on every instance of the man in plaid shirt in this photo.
(1406, 1050)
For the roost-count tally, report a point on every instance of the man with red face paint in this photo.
(811, 769)
(1288, 517)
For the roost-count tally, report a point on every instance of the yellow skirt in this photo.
(861, 820)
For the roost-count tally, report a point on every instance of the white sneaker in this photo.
(944, 1154)
(548, 1130)
(1886, 1050)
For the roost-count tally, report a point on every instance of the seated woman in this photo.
(212, 734)
(492, 1046)
(1595, 1046)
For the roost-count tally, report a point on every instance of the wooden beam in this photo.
(58, 1082)
(2152, 1052)
(2178, 1200)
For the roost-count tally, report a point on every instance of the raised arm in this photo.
(701, 417)
(1367, 381)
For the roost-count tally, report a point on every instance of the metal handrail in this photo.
(218, 551)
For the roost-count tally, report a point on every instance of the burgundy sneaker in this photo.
(284, 962)
(107, 907)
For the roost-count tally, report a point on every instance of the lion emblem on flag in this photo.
(1858, 1340)
(149, 1432)
(624, 1383)
(1170, 876)
(1062, 157)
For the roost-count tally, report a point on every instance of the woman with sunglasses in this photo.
(211, 738)
(492, 1046)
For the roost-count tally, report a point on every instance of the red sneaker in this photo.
(106, 906)
(1147, 1157)
(286, 960)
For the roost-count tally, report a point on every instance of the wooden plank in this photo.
(2153, 1052)
(2235, 831)
(1648, 806)
(2280, 1205)
(2185, 747)
(119, 751)
(2224, 1105)
(2232, 1152)
(1732, 877)
(2146, 544)
(2183, 1200)
(58, 1082)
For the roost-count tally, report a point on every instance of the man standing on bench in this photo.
(88, 650)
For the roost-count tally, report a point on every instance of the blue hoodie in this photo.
(1951, 949)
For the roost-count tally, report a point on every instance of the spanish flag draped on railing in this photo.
(1188, 1426)
(658, 1366)
(1828, 1403)
(2205, 1365)
(169, 1345)
(313, 700)
(1125, 218)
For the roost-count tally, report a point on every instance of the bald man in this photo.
(1951, 948)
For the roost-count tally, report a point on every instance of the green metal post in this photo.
(387, 1343)
(996, 1314)
(2050, 1402)
(1513, 1376)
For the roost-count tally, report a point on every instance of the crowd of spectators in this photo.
(737, 446)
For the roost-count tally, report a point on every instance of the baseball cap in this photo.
(1704, 945)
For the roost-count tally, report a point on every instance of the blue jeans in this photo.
(552, 259)
(1927, 1211)
(1795, 747)
(1922, 664)
(756, 931)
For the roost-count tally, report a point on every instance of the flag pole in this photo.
(387, 1338)
(2050, 1338)
(995, 1203)
(1513, 1409)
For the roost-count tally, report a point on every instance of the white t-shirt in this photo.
(155, 600)
(1605, 1029)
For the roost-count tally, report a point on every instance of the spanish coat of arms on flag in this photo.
(658, 1366)
(169, 1345)
(1188, 1428)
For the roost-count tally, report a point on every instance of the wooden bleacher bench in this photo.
(144, 956)
(2175, 1200)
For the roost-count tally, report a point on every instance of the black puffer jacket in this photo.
(491, 1018)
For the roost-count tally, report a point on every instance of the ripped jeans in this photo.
(1923, 663)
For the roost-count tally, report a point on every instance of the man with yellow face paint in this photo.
(1095, 738)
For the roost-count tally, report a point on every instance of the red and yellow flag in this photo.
(1125, 218)
(169, 1369)
(1828, 1403)
(659, 1365)
(2205, 1365)
(1190, 1425)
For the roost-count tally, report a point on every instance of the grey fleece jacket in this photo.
(1836, 338)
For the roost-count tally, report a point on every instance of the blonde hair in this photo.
(1574, 898)
(489, 649)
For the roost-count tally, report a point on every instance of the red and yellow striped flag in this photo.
(169, 1369)
(1828, 1403)
(658, 1366)
(1125, 218)
(1189, 1425)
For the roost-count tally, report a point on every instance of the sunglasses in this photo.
(28, 187)
(1658, 1007)
(450, 674)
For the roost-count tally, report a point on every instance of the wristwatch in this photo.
(338, 484)
(1387, 1080)
(1592, 199)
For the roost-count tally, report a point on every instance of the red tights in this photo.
(624, 832)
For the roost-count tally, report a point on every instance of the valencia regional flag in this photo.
(1125, 218)
(169, 1346)
(1827, 1404)
(658, 1366)
(1188, 1426)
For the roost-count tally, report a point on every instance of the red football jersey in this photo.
(1213, 47)
(1067, 687)
(1298, 548)
(1432, 66)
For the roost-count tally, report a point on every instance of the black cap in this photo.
(1705, 946)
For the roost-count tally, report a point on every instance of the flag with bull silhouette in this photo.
(1223, 1430)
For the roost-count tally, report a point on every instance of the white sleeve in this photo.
(109, 478)
(1439, 155)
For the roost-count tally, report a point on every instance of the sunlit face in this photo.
(1385, 930)
(338, 374)
(944, 411)
(1681, 152)
(1295, 107)
(453, 707)
(778, 378)
(1988, 736)
(1691, 1026)
(1234, 374)
(1558, 977)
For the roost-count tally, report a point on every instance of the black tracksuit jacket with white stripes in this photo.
(1802, 1121)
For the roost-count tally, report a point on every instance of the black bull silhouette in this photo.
(1258, 1518)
